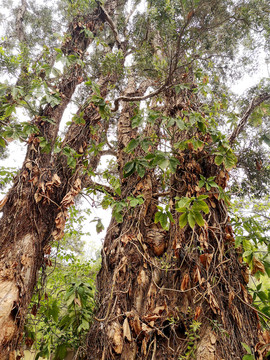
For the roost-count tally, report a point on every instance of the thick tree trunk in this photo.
(35, 209)
(177, 294)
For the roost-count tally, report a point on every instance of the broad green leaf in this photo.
(136, 120)
(213, 184)
(173, 164)
(248, 357)
(140, 170)
(191, 220)
(129, 168)
(132, 145)
(201, 183)
(60, 352)
(219, 159)
(202, 197)
(201, 205)
(157, 216)
(247, 253)
(182, 203)
(163, 164)
(180, 123)
(2, 142)
(170, 216)
(183, 219)
(266, 139)
(246, 347)
(163, 220)
(145, 144)
(198, 218)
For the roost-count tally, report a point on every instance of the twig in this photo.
(252, 106)
(138, 98)
(111, 23)
(99, 187)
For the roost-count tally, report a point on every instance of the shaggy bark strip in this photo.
(35, 209)
(183, 292)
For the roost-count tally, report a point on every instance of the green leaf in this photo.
(201, 183)
(183, 219)
(247, 253)
(132, 145)
(173, 164)
(202, 197)
(136, 120)
(213, 184)
(135, 201)
(191, 220)
(99, 226)
(60, 352)
(230, 161)
(170, 216)
(163, 220)
(180, 123)
(198, 218)
(2, 142)
(163, 164)
(129, 168)
(140, 170)
(200, 205)
(157, 216)
(182, 203)
(145, 144)
(219, 159)
(248, 357)
(246, 347)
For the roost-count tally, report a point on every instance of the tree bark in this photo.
(35, 209)
(176, 294)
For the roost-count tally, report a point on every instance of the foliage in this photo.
(61, 311)
(175, 56)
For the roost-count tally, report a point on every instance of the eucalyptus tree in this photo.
(149, 80)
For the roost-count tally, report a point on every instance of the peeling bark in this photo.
(155, 285)
(35, 210)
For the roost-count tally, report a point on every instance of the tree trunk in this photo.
(176, 294)
(35, 209)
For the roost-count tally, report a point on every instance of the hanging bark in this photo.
(35, 209)
(170, 294)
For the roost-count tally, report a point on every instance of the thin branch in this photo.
(89, 183)
(111, 23)
(138, 98)
(257, 101)
(108, 152)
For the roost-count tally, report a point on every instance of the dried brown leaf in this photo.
(257, 266)
(3, 202)
(126, 330)
(185, 282)
(159, 309)
(198, 312)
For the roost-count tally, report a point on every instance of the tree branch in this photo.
(138, 98)
(257, 101)
(19, 21)
(89, 183)
(111, 23)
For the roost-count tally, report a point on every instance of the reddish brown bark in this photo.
(155, 285)
(35, 209)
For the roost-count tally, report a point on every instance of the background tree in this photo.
(151, 88)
